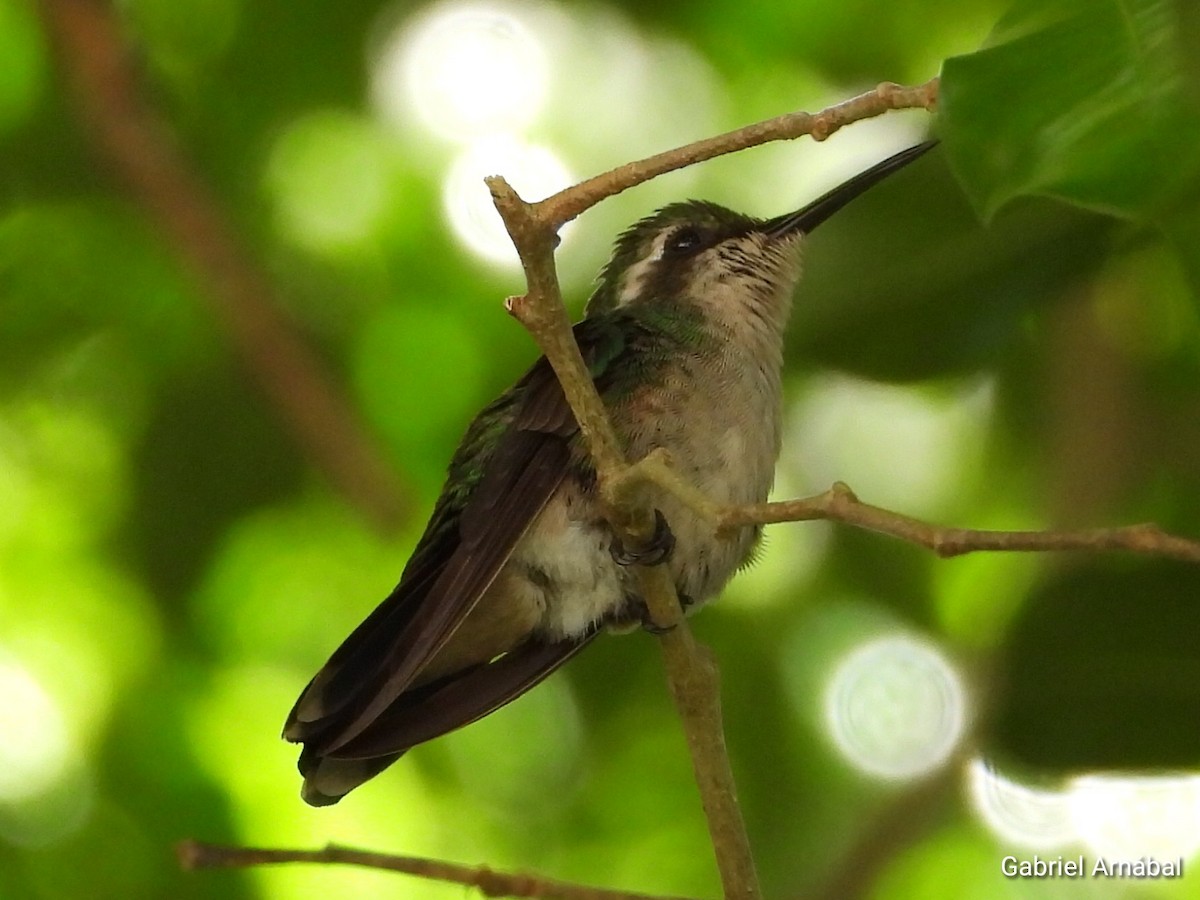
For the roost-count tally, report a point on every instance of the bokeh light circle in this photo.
(465, 69)
(329, 176)
(1116, 816)
(34, 745)
(895, 707)
(534, 171)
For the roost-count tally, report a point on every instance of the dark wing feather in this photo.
(451, 569)
(539, 464)
(432, 710)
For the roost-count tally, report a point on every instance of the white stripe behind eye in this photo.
(635, 277)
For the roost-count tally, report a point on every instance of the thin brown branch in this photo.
(840, 504)
(566, 205)
(197, 855)
(136, 144)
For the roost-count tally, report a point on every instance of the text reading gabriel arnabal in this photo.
(1144, 867)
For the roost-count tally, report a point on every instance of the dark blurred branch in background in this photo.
(903, 822)
(136, 144)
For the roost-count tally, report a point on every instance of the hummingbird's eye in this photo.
(682, 242)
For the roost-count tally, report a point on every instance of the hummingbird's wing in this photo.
(432, 710)
(368, 700)
(473, 530)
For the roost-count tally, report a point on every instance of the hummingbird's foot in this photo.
(652, 627)
(656, 550)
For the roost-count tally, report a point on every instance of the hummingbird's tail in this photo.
(327, 780)
(420, 714)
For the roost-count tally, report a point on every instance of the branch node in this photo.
(517, 306)
(822, 127)
(842, 493)
(931, 90)
(190, 854)
(886, 91)
(502, 192)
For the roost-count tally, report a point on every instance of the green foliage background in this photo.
(173, 568)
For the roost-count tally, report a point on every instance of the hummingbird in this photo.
(518, 570)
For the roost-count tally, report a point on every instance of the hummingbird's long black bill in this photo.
(809, 217)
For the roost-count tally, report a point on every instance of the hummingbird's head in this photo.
(701, 253)
(695, 249)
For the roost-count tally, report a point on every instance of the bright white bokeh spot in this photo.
(465, 69)
(1127, 817)
(468, 71)
(534, 172)
(1037, 818)
(34, 746)
(895, 707)
(1116, 816)
(901, 447)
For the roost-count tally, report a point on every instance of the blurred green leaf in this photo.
(405, 356)
(184, 34)
(25, 63)
(899, 297)
(1085, 100)
(1100, 671)
(69, 270)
